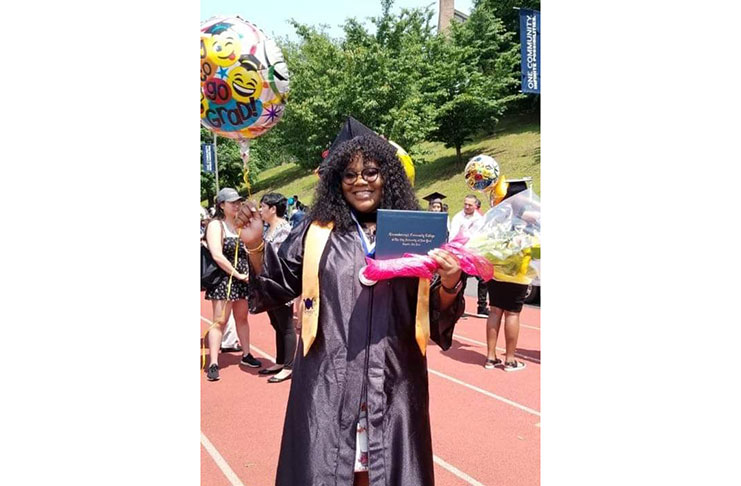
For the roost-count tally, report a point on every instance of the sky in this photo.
(274, 22)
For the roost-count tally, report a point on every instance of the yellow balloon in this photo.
(500, 190)
(406, 161)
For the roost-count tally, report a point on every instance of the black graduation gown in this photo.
(365, 338)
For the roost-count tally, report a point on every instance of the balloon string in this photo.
(247, 180)
(245, 150)
(223, 312)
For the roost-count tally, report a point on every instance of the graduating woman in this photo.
(357, 411)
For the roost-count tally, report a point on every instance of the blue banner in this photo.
(530, 50)
(207, 156)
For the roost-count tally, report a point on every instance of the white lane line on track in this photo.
(519, 355)
(487, 393)
(271, 358)
(441, 375)
(456, 471)
(220, 461)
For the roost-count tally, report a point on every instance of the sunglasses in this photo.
(369, 174)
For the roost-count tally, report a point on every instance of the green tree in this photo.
(505, 10)
(471, 78)
(384, 74)
(311, 117)
(409, 118)
(374, 77)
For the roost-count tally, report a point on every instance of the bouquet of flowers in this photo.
(506, 247)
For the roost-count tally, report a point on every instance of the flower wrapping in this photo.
(505, 246)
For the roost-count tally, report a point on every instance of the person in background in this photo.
(469, 221)
(223, 241)
(272, 210)
(299, 213)
(290, 207)
(229, 340)
(506, 300)
(478, 206)
(435, 202)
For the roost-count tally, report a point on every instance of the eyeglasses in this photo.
(369, 174)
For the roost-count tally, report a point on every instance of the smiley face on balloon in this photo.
(245, 82)
(224, 49)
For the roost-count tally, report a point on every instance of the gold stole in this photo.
(422, 324)
(316, 240)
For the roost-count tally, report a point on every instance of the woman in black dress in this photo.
(358, 411)
(223, 242)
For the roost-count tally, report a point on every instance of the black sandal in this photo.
(492, 363)
(269, 372)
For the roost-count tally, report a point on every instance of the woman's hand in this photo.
(248, 218)
(449, 267)
(241, 276)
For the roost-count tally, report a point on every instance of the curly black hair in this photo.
(330, 204)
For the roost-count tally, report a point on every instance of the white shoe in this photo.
(514, 366)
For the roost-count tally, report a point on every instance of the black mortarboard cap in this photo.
(515, 186)
(352, 128)
(434, 197)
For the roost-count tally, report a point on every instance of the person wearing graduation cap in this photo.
(435, 202)
(358, 408)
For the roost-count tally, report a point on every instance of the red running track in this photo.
(485, 423)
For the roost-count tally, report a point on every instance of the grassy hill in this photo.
(515, 145)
